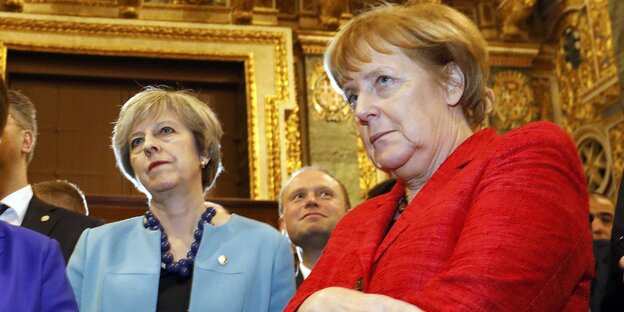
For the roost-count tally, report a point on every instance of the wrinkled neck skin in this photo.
(459, 131)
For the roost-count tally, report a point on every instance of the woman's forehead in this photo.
(155, 116)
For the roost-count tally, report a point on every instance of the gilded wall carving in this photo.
(3, 60)
(293, 141)
(513, 14)
(586, 74)
(328, 104)
(586, 85)
(616, 136)
(515, 105)
(594, 149)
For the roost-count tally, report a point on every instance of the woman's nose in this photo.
(366, 109)
(150, 145)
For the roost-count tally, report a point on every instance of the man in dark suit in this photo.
(311, 203)
(25, 209)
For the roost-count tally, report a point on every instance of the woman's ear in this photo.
(204, 161)
(454, 84)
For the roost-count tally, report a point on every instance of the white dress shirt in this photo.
(18, 201)
(304, 270)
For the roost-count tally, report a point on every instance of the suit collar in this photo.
(18, 201)
(3, 229)
(40, 216)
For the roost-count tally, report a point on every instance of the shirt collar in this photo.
(18, 201)
(304, 270)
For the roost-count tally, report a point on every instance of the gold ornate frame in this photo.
(266, 53)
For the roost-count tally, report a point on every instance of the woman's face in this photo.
(405, 119)
(163, 154)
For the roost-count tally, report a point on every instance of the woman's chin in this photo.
(389, 165)
(161, 187)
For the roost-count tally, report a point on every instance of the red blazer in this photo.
(502, 225)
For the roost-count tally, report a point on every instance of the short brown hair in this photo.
(433, 35)
(195, 115)
(62, 193)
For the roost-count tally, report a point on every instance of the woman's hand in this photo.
(343, 299)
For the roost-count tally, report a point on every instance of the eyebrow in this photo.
(379, 70)
(156, 125)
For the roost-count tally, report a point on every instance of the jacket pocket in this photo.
(129, 292)
(219, 291)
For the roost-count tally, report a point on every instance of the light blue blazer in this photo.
(116, 267)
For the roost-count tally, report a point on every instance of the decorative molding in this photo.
(293, 142)
(588, 86)
(512, 55)
(3, 61)
(328, 104)
(514, 101)
(273, 146)
(593, 145)
(314, 43)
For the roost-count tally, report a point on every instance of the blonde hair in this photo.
(196, 115)
(433, 35)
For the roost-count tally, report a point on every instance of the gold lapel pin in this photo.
(222, 259)
(45, 218)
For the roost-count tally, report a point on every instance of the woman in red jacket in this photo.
(477, 221)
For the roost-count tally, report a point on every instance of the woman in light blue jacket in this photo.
(184, 254)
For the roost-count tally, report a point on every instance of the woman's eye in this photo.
(352, 100)
(383, 80)
(166, 130)
(136, 142)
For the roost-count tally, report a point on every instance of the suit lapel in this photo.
(40, 217)
(2, 236)
(375, 226)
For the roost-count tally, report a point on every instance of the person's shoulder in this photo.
(23, 236)
(253, 228)
(539, 132)
(108, 230)
(364, 209)
(77, 217)
(71, 217)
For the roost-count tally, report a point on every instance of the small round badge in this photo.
(45, 218)
(222, 259)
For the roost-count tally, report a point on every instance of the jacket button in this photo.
(358, 284)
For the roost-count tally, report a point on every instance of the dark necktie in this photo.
(3, 208)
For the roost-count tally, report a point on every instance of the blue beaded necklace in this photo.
(182, 266)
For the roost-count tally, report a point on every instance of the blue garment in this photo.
(32, 273)
(116, 267)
